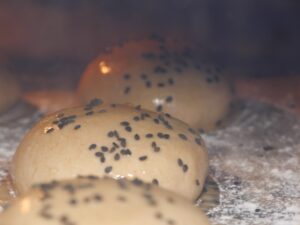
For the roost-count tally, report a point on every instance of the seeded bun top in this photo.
(92, 201)
(114, 140)
(9, 91)
(161, 75)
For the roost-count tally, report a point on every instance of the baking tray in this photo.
(254, 175)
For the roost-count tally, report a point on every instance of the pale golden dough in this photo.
(9, 91)
(54, 149)
(90, 201)
(154, 73)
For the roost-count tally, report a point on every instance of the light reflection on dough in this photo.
(158, 101)
(25, 205)
(104, 68)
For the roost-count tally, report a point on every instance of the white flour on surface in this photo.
(255, 161)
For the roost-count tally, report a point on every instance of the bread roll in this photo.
(92, 201)
(114, 140)
(161, 76)
(9, 91)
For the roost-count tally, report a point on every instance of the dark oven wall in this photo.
(56, 39)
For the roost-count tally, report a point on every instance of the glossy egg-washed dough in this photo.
(92, 201)
(161, 76)
(9, 91)
(114, 140)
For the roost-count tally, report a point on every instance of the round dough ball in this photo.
(115, 140)
(161, 76)
(9, 91)
(90, 201)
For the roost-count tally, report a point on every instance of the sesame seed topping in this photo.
(104, 149)
(126, 76)
(155, 182)
(198, 141)
(169, 99)
(92, 146)
(185, 168)
(127, 90)
(143, 158)
(117, 156)
(136, 137)
(77, 127)
(108, 169)
(183, 136)
(149, 135)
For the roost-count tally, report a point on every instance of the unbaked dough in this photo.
(114, 140)
(9, 91)
(160, 75)
(92, 201)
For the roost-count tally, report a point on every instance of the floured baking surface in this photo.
(255, 161)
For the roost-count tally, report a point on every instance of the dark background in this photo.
(53, 40)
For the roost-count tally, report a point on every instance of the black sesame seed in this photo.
(143, 158)
(159, 108)
(77, 127)
(160, 135)
(137, 137)
(125, 123)
(92, 146)
(104, 149)
(73, 202)
(185, 168)
(158, 215)
(136, 118)
(197, 182)
(137, 182)
(115, 145)
(169, 99)
(180, 162)
(138, 107)
(183, 137)
(108, 169)
(102, 159)
(209, 80)
(155, 182)
(156, 121)
(99, 154)
(127, 90)
(126, 76)
(110, 134)
(128, 129)
(149, 135)
(112, 150)
(89, 113)
(148, 84)
(160, 69)
(160, 84)
(97, 198)
(144, 77)
(170, 81)
(122, 142)
(166, 136)
(49, 130)
(198, 141)
(191, 130)
(117, 156)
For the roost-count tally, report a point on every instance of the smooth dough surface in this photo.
(161, 76)
(9, 91)
(114, 140)
(92, 201)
